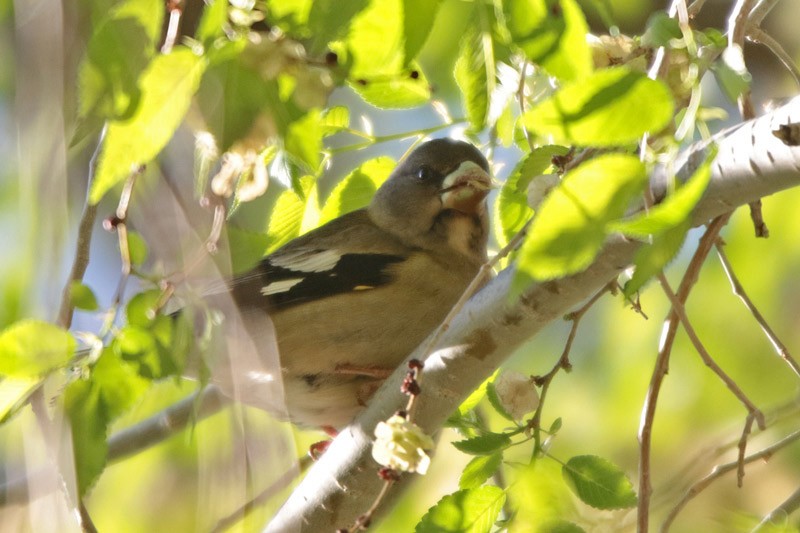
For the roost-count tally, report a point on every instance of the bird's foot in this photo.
(316, 450)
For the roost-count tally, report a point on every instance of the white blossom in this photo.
(401, 445)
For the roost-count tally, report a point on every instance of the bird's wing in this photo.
(334, 259)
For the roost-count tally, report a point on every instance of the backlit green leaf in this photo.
(30, 348)
(394, 91)
(119, 50)
(290, 212)
(479, 469)
(599, 483)
(652, 257)
(167, 87)
(552, 33)
(418, 17)
(483, 444)
(357, 188)
(472, 79)
(512, 203)
(137, 247)
(329, 20)
(465, 511)
(91, 405)
(611, 107)
(674, 210)
(82, 296)
(570, 227)
(304, 140)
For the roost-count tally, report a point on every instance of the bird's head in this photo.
(439, 188)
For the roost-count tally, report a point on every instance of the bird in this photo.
(350, 300)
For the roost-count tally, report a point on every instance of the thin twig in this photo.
(757, 35)
(739, 291)
(562, 364)
(83, 245)
(662, 366)
(263, 497)
(737, 22)
(695, 7)
(175, 9)
(720, 470)
(752, 411)
(762, 9)
(779, 515)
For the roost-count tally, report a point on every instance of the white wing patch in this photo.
(278, 287)
(307, 260)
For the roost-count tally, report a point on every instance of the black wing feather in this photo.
(351, 272)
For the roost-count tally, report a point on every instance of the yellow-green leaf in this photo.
(572, 221)
(30, 348)
(552, 33)
(167, 86)
(615, 106)
(357, 188)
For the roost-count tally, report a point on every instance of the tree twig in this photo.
(739, 291)
(661, 367)
(719, 471)
(83, 245)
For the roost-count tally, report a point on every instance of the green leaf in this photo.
(418, 17)
(477, 395)
(231, 97)
(731, 73)
(570, 227)
(247, 248)
(471, 77)
(379, 71)
(357, 188)
(91, 405)
(512, 203)
(330, 19)
(465, 511)
(486, 444)
(552, 33)
(401, 90)
(31, 348)
(661, 29)
(651, 258)
(14, 394)
(137, 247)
(292, 212)
(334, 120)
(599, 483)
(119, 50)
(140, 310)
(491, 394)
(290, 15)
(479, 469)
(82, 296)
(304, 140)
(215, 16)
(167, 87)
(611, 107)
(672, 211)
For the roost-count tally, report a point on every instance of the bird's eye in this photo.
(425, 173)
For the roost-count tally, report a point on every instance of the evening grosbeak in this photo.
(351, 299)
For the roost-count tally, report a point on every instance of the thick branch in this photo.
(752, 162)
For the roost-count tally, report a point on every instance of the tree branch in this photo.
(752, 162)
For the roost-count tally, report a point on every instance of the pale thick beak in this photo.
(465, 188)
